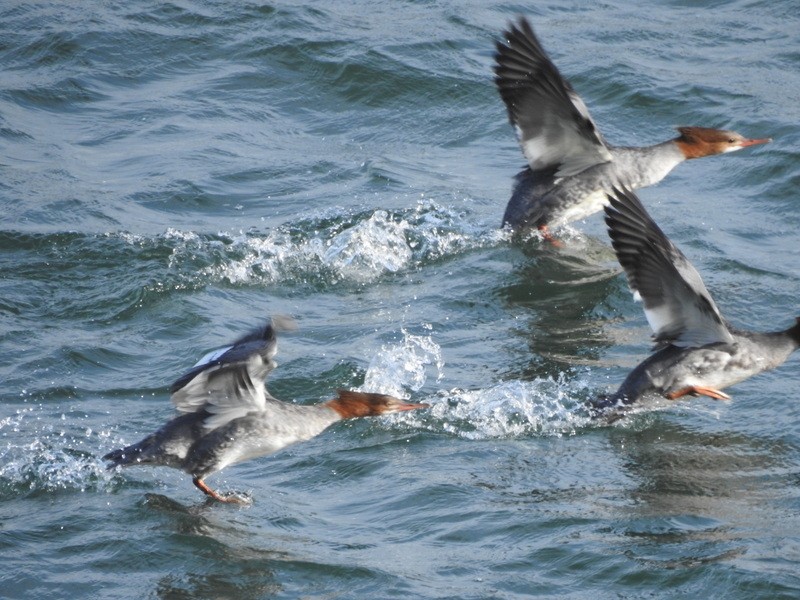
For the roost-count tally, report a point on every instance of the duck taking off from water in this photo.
(229, 416)
(697, 353)
(570, 166)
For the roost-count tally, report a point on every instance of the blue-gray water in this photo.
(171, 174)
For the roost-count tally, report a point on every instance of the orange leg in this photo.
(201, 485)
(695, 390)
(549, 237)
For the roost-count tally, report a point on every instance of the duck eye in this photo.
(731, 141)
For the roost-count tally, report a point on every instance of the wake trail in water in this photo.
(326, 250)
(65, 456)
(54, 459)
(543, 406)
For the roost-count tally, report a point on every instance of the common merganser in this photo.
(570, 166)
(697, 353)
(229, 416)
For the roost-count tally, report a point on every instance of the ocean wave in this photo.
(354, 249)
(334, 248)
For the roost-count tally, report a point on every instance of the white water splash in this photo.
(52, 460)
(544, 406)
(370, 248)
(40, 465)
(403, 366)
(328, 249)
(183, 236)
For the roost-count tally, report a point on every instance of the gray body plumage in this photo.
(672, 368)
(543, 198)
(185, 442)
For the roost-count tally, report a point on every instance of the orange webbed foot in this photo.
(201, 485)
(696, 390)
(549, 237)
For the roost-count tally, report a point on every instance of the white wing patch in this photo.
(659, 317)
(212, 356)
(539, 153)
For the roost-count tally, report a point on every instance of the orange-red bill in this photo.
(754, 142)
(412, 406)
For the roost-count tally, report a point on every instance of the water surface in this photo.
(171, 174)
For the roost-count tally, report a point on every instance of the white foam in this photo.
(370, 248)
(334, 247)
(544, 406)
(403, 366)
(184, 236)
(53, 459)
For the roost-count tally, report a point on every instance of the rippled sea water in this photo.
(173, 173)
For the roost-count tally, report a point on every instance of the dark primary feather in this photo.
(677, 303)
(262, 340)
(544, 106)
(523, 70)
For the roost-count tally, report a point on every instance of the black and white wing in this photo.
(229, 382)
(552, 123)
(677, 304)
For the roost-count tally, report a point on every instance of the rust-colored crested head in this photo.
(696, 142)
(351, 405)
